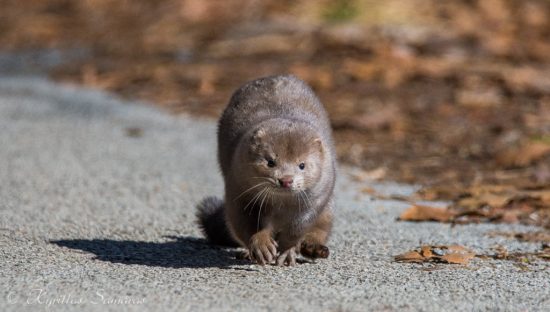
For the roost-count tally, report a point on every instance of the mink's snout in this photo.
(286, 181)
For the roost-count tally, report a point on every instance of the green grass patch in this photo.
(341, 11)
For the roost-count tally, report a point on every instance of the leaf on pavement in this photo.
(411, 256)
(458, 258)
(539, 236)
(426, 251)
(426, 213)
(502, 203)
(536, 236)
(524, 155)
(453, 254)
(501, 253)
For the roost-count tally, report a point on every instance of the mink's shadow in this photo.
(180, 252)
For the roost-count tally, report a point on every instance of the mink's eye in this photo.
(302, 166)
(270, 163)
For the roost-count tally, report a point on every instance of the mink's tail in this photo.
(211, 220)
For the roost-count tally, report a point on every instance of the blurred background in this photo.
(453, 95)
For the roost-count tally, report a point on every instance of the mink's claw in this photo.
(262, 249)
(287, 258)
(243, 255)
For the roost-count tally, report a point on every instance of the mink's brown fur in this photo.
(277, 157)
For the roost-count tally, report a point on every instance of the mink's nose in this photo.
(286, 181)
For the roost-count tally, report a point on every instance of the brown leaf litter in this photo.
(426, 213)
(456, 254)
(502, 253)
(537, 236)
(453, 254)
(454, 95)
(485, 203)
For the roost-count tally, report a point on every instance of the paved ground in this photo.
(97, 212)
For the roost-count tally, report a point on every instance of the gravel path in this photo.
(97, 203)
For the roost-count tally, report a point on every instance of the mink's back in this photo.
(266, 98)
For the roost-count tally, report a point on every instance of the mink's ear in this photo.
(319, 143)
(258, 135)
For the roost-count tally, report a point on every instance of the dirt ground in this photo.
(453, 95)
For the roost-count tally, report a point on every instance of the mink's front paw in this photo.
(243, 255)
(314, 250)
(262, 248)
(287, 258)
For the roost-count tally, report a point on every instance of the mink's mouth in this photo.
(283, 190)
(287, 191)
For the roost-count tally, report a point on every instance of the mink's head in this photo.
(285, 155)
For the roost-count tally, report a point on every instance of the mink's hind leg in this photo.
(314, 243)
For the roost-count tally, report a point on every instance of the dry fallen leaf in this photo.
(426, 251)
(411, 256)
(524, 155)
(457, 248)
(458, 258)
(426, 213)
(501, 253)
(538, 236)
(503, 203)
(364, 175)
(369, 190)
(454, 254)
(440, 192)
